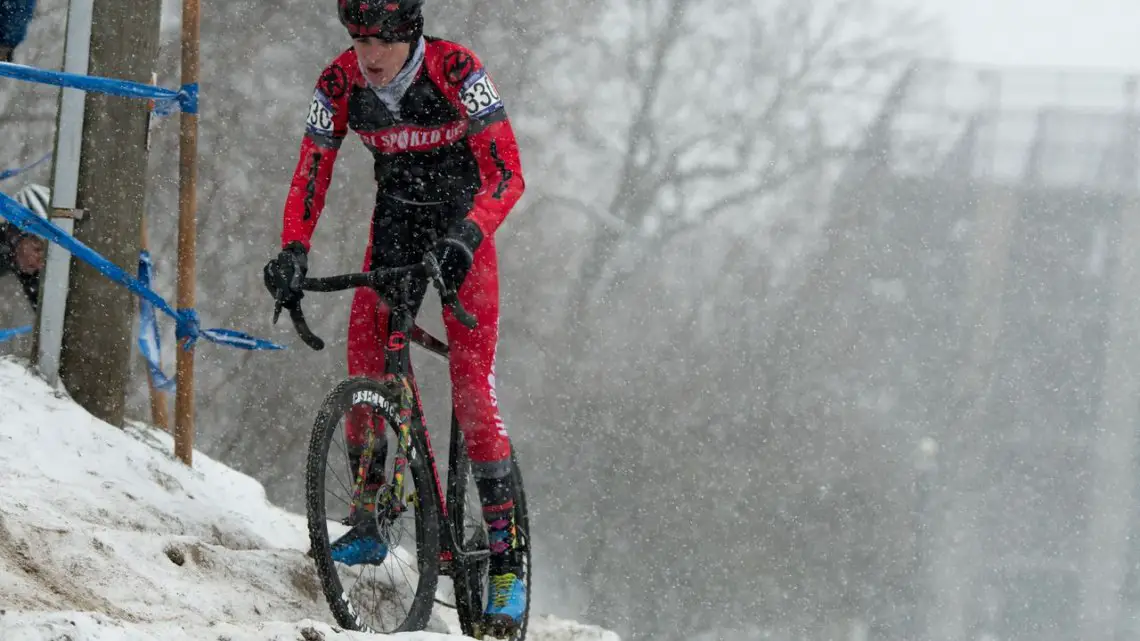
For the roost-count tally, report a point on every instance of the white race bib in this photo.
(320, 120)
(479, 95)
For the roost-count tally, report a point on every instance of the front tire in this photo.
(426, 504)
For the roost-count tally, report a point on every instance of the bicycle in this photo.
(444, 543)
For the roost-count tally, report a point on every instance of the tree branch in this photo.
(641, 127)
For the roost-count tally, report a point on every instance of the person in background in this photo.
(15, 15)
(23, 254)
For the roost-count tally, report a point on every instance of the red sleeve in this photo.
(497, 153)
(325, 129)
(466, 83)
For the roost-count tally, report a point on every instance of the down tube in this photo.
(397, 360)
(428, 450)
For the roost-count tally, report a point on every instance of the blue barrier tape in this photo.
(238, 339)
(186, 321)
(166, 100)
(9, 334)
(8, 173)
(149, 343)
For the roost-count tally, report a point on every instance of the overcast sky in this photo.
(1083, 33)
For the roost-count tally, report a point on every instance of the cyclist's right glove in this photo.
(284, 274)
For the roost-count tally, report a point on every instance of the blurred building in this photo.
(995, 218)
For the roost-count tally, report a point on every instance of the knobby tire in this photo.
(427, 514)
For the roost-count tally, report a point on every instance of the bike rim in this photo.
(381, 595)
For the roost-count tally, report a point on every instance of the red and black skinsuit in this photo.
(447, 154)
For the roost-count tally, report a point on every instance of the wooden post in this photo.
(96, 340)
(158, 414)
(187, 230)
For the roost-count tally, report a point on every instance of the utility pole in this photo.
(95, 356)
(64, 184)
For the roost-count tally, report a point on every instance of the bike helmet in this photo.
(36, 198)
(388, 20)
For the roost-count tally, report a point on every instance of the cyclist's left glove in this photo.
(456, 251)
(285, 273)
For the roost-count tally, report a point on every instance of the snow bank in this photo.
(105, 536)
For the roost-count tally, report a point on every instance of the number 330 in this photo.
(480, 95)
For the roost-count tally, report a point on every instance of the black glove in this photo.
(284, 274)
(456, 251)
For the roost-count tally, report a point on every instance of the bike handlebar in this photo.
(377, 279)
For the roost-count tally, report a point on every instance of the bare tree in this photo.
(727, 105)
(723, 112)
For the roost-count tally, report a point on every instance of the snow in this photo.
(104, 536)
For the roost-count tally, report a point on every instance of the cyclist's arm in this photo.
(325, 129)
(492, 142)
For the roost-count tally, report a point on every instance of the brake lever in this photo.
(451, 299)
(306, 334)
(447, 298)
(298, 318)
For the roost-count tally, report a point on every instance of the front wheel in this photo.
(466, 520)
(393, 592)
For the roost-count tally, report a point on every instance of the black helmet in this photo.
(391, 20)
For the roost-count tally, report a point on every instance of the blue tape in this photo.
(150, 344)
(9, 334)
(187, 328)
(238, 339)
(186, 321)
(8, 173)
(186, 98)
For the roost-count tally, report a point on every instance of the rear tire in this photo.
(336, 405)
(470, 580)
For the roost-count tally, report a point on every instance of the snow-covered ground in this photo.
(104, 536)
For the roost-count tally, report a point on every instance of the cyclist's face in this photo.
(380, 61)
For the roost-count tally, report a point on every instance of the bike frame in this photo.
(402, 330)
(398, 364)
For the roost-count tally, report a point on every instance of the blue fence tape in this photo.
(9, 173)
(9, 334)
(150, 345)
(186, 320)
(166, 102)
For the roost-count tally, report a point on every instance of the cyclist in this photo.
(447, 171)
(23, 254)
